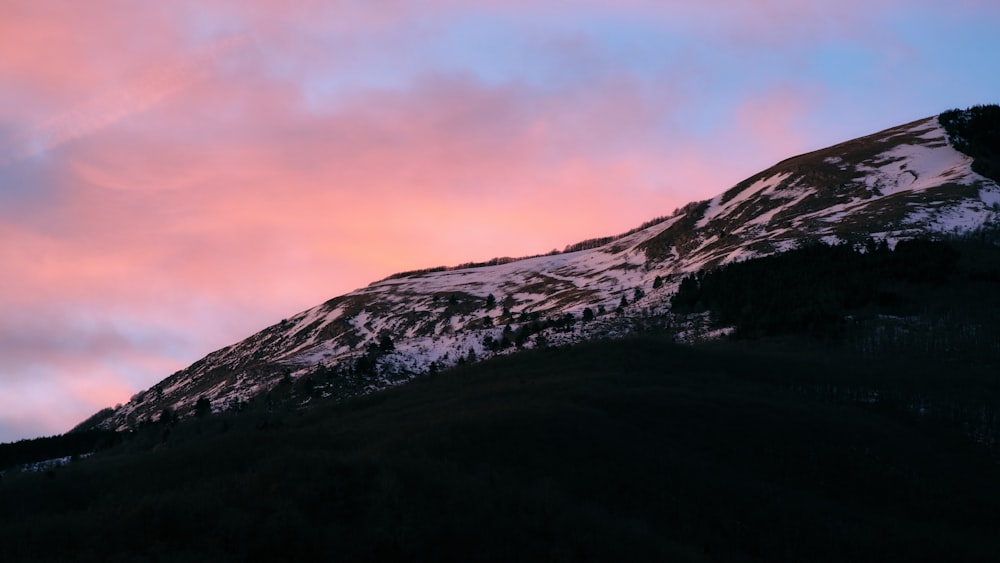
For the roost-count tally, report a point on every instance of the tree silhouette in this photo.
(385, 344)
(203, 407)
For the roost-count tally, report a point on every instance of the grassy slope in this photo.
(627, 451)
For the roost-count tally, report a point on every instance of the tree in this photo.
(385, 344)
(976, 132)
(657, 282)
(521, 336)
(167, 416)
(490, 343)
(203, 407)
(491, 301)
(588, 315)
(363, 364)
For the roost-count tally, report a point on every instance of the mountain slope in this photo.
(899, 183)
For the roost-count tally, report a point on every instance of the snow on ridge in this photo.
(924, 167)
(718, 208)
(794, 197)
(957, 217)
(319, 315)
(990, 196)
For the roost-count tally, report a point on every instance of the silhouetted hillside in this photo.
(629, 450)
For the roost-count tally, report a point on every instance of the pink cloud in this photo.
(51, 403)
(135, 96)
(773, 123)
(451, 144)
(62, 50)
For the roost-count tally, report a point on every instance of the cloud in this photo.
(50, 403)
(138, 95)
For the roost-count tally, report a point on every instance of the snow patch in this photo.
(718, 208)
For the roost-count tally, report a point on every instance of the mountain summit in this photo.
(900, 183)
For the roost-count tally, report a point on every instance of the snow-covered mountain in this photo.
(899, 183)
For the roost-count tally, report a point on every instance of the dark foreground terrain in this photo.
(636, 450)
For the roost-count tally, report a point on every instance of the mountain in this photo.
(900, 183)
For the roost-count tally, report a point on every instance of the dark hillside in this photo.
(945, 291)
(72, 444)
(634, 450)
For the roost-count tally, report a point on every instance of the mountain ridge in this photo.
(899, 183)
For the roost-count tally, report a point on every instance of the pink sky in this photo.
(175, 176)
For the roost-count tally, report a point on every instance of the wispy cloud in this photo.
(138, 95)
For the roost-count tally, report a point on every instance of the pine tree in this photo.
(203, 407)
(385, 344)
